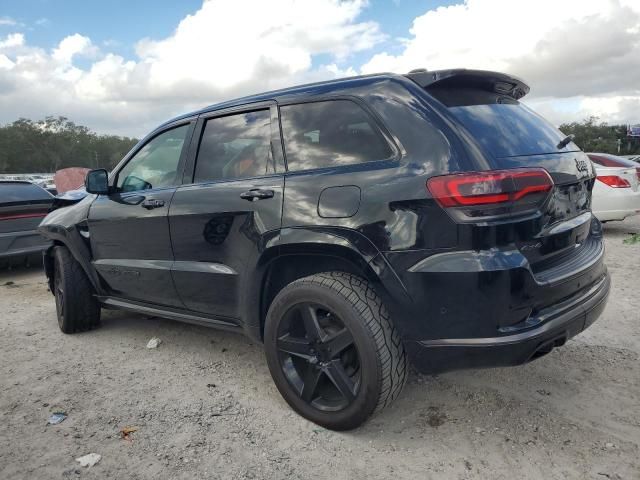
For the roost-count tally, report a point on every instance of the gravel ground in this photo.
(204, 405)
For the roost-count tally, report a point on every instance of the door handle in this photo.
(151, 203)
(256, 194)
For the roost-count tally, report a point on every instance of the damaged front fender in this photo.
(68, 226)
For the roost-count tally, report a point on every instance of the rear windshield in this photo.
(22, 192)
(502, 125)
(607, 160)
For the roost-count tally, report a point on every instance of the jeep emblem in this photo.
(581, 165)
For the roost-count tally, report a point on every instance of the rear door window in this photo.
(329, 134)
(504, 126)
(235, 146)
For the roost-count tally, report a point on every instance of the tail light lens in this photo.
(19, 216)
(614, 181)
(492, 193)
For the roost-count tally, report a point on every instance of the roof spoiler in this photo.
(461, 77)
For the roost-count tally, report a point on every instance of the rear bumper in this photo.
(22, 243)
(433, 356)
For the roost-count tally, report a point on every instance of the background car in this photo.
(22, 206)
(616, 192)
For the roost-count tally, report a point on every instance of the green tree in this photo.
(47, 145)
(592, 135)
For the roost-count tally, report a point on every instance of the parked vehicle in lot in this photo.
(351, 226)
(23, 205)
(616, 193)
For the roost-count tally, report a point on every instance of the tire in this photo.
(304, 364)
(78, 311)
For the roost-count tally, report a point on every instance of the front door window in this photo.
(156, 164)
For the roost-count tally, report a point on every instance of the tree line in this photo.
(45, 146)
(592, 135)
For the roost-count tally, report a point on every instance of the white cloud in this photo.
(562, 49)
(579, 56)
(73, 45)
(276, 41)
(7, 21)
(5, 62)
(12, 40)
(216, 53)
(615, 109)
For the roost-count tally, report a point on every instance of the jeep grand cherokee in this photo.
(352, 226)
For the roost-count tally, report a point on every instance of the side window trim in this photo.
(196, 138)
(113, 178)
(396, 149)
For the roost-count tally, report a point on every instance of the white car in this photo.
(616, 192)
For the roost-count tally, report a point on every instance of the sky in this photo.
(123, 67)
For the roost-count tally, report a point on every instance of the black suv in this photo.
(350, 225)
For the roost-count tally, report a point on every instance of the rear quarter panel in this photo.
(394, 206)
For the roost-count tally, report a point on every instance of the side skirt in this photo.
(173, 314)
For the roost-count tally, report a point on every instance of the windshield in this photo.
(502, 125)
(20, 192)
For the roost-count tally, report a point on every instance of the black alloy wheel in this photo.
(58, 285)
(332, 350)
(318, 356)
(77, 308)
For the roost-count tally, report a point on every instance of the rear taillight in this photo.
(614, 181)
(492, 193)
(19, 216)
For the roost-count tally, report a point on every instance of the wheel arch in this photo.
(78, 247)
(304, 252)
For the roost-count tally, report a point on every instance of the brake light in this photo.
(22, 215)
(495, 187)
(614, 181)
(19, 216)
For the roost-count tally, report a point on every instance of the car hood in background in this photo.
(69, 198)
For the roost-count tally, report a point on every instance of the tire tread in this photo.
(392, 358)
(82, 311)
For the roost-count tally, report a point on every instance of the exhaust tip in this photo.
(546, 347)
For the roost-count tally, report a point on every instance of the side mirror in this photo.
(97, 181)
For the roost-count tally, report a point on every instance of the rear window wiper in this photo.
(565, 141)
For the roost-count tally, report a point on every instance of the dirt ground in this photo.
(205, 407)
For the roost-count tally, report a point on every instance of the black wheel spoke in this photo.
(318, 356)
(294, 346)
(337, 343)
(59, 295)
(311, 325)
(310, 383)
(338, 376)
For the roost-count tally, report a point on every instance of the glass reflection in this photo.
(507, 130)
(328, 134)
(235, 146)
